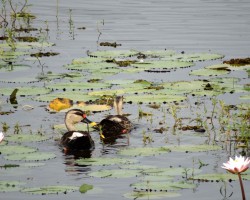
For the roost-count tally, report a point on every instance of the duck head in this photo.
(75, 116)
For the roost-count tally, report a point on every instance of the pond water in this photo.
(194, 26)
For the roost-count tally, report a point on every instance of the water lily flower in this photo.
(237, 166)
(1, 136)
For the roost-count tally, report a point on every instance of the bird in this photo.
(73, 139)
(115, 125)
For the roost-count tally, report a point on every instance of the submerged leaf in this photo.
(85, 187)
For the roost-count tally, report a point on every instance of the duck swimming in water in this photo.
(115, 125)
(73, 139)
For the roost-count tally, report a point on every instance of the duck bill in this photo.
(87, 121)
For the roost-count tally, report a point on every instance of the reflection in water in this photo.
(71, 166)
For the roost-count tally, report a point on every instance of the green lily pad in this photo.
(104, 161)
(114, 54)
(208, 72)
(16, 149)
(115, 173)
(52, 189)
(4, 67)
(85, 60)
(90, 107)
(78, 86)
(162, 65)
(52, 76)
(150, 195)
(36, 156)
(28, 45)
(31, 165)
(137, 166)
(158, 98)
(10, 186)
(194, 57)
(171, 171)
(25, 91)
(143, 151)
(73, 95)
(162, 186)
(228, 67)
(219, 177)
(22, 137)
(85, 187)
(89, 66)
(159, 53)
(195, 148)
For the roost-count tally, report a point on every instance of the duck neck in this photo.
(69, 124)
(118, 103)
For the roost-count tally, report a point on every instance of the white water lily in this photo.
(237, 165)
(1, 136)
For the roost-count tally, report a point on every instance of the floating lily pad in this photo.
(53, 189)
(115, 173)
(89, 66)
(113, 54)
(159, 53)
(162, 186)
(78, 86)
(85, 187)
(25, 91)
(208, 72)
(219, 177)
(4, 67)
(228, 67)
(138, 166)
(90, 107)
(162, 65)
(154, 98)
(195, 148)
(16, 149)
(51, 76)
(36, 156)
(104, 161)
(150, 195)
(28, 45)
(73, 95)
(85, 60)
(22, 137)
(143, 151)
(31, 165)
(193, 57)
(171, 171)
(10, 186)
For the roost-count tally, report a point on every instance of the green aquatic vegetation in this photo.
(11, 67)
(102, 161)
(10, 185)
(85, 187)
(16, 149)
(31, 157)
(113, 54)
(150, 195)
(144, 151)
(25, 91)
(78, 86)
(73, 95)
(115, 173)
(209, 72)
(194, 148)
(24, 137)
(51, 189)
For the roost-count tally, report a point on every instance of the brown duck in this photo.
(73, 139)
(115, 125)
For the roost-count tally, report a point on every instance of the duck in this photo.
(73, 139)
(115, 125)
